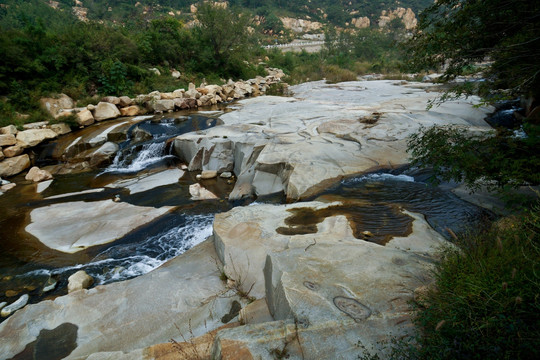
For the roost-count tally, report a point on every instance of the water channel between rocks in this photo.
(372, 204)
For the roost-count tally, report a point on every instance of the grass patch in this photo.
(486, 301)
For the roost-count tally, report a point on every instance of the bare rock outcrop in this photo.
(407, 16)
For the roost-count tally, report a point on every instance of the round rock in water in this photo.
(78, 281)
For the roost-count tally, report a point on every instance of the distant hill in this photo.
(335, 12)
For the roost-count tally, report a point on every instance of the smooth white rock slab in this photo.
(42, 186)
(149, 181)
(61, 196)
(11, 308)
(75, 226)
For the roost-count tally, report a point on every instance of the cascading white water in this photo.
(134, 160)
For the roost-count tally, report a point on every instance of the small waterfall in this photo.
(138, 157)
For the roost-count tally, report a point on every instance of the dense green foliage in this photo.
(486, 300)
(47, 51)
(338, 12)
(458, 34)
(496, 160)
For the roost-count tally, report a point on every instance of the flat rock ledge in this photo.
(75, 226)
(322, 295)
(299, 145)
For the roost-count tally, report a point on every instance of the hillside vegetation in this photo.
(49, 51)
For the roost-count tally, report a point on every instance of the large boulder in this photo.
(125, 101)
(55, 106)
(79, 280)
(15, 165)
(163, 105)
(106, 111)
(13, 151)
(10, 129)
(132, 110)
(30, 138)
(7, 140)
(2, 156)
(36, 175)
(85, 117)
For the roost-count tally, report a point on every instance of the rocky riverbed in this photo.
(327, 276)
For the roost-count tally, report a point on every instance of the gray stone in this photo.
(79, 225)
(147, 182)
(140, 135)
(106, 111)
(79, 280)
(163, 105)
(226, 175)
(15, 165)
(33, 137)
(302, 144)
(17, 305)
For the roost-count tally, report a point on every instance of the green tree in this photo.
(225, 38)
(460, 33)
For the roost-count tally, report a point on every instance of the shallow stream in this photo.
(371, 203)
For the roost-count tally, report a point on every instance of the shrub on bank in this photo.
(486, 300)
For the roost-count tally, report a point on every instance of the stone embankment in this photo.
(16, 146)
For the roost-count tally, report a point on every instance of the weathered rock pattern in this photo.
(301, 144)
(104, 221)
(186, 293)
